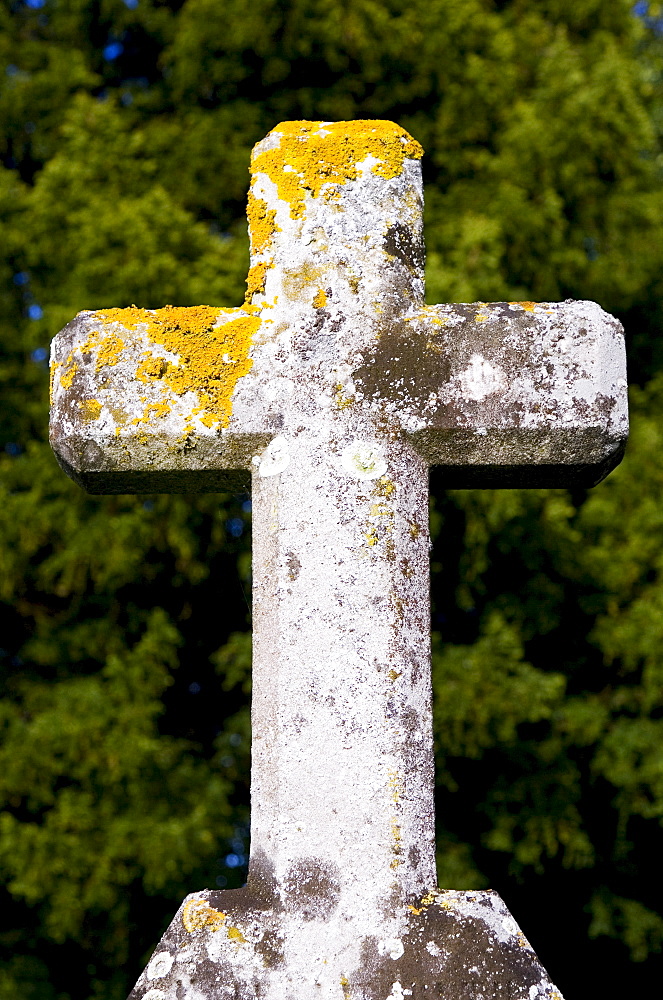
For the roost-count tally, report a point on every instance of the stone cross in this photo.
(336, 387)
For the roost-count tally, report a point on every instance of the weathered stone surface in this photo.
(337, 387)
(241, 944)
(142, 400)
(506, 394)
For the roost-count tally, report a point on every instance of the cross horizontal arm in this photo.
(505, 394)
(141, 399)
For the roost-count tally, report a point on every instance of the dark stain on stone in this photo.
(275, 421)
(293, 564)
(411, 719)
(401, 367)
(398, 243)
(369, 948)
(312, 888)
(187, 481)
(261, 885)
(270, 949)
(470, 963)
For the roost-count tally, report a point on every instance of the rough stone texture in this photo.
(500, 395)
(247, 943)
(337, 388)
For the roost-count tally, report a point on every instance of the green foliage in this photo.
(626, 919)
(95, 760)
(125, 660)
(486, 690)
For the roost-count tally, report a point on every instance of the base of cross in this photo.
(238, 944)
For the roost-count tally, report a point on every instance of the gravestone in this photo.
(334, 388)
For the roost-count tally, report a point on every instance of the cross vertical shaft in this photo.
(342, 768)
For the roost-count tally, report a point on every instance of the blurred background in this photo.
(125, 132)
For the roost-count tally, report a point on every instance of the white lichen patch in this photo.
(364, 459)
(481, 379)
(544, 991)
(160, 965)
(393, 947)
(398, 993)
(276, 457)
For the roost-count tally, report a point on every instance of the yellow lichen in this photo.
(192, 334)
(151, 368)
(527, 306)
(384, 487)
(68, 375)
(340, 400)
(261, 223)
(345, 986)
(206, 418)
(320, 299)
(198, 914)
(109, 351)
(353, 282)
(90, 408)
(430, 314)
(425, 902)
(54, 369)
(380, 510)
(235, 934)
(371, 536)
(299, 280)
(119, 415)
(255, 279)
(394, 783)
(312, 155)
(152, 410)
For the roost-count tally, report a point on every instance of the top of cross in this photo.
(184, 399)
